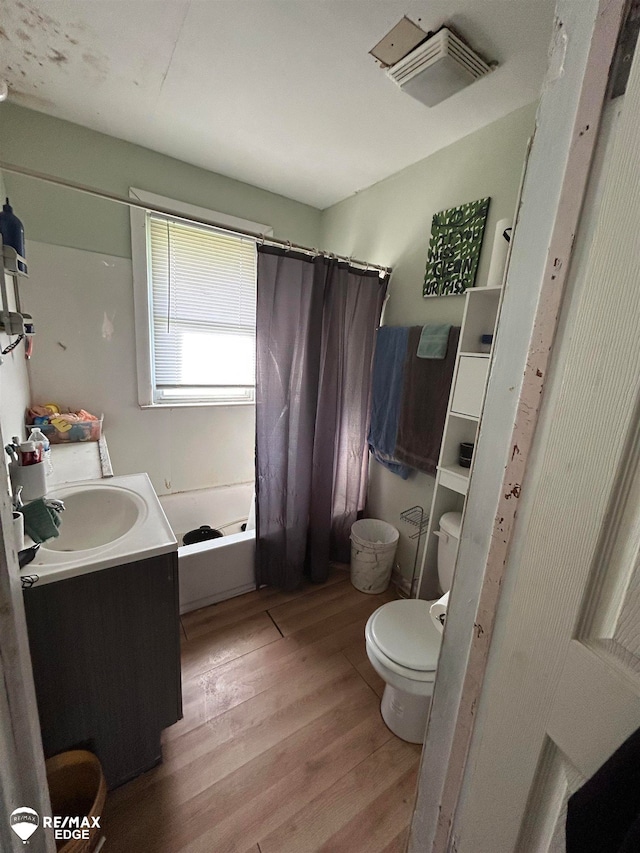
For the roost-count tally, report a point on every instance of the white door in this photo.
(562, 689)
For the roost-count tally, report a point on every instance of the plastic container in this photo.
(465, 454)
(30, 453)
(40, 438)
(32, 478)
(373, 549)
(82, 431)
(18, 530)
(78, 789)
(486, 342)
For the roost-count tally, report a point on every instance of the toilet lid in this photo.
(404, 632)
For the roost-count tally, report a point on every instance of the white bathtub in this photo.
(221, 568)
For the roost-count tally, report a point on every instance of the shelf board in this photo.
(475, 354)
(464, 417)
(454, 477)
(495, 289)
(458, 470)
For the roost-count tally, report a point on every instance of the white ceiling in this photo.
(281, 94)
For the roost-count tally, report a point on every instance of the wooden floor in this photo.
(282, 748)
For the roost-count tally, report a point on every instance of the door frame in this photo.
(23, 779)
(573, 98)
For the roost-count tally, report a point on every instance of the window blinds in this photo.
(203, 295)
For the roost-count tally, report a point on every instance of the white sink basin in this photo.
(95, 516)
(105, 523)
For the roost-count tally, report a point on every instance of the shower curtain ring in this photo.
(262, 239)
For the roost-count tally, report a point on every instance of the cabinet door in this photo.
(105, 649)
(470, 383)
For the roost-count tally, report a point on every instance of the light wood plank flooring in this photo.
(282, 748)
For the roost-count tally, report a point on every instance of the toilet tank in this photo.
(448, 538)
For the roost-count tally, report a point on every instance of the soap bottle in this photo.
(40, 438)
(12, 231)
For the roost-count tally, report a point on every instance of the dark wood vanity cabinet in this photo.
(105, 649)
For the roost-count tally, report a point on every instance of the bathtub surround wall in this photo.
(84, 354)
(390, 222)
(81, 293)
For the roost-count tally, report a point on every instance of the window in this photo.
(203, 312)
(195, 308)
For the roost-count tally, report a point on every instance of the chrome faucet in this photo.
(54, 503)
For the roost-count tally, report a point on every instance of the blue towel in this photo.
(433, 341)
(386, 394)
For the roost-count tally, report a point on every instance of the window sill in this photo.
(198, 405)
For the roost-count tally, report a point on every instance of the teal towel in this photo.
(40, 521)
(433, 341)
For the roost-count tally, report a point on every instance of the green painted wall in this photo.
(390, 223)
(67, 218)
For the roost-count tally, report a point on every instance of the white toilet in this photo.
(403, 644)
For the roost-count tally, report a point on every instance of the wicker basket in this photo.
(77, 787)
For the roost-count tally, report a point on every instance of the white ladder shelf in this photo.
(466, 401)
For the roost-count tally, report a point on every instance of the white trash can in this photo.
(373, 548)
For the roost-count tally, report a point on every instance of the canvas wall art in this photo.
(454, 248)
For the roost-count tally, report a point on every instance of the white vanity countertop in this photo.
(106, 523)
(79, 460)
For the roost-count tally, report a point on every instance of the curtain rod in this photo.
(167, 211)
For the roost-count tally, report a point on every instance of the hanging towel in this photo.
(41, 522)
(423, 409)
(387, 379)
(433, 341)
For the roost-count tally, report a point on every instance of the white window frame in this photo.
(142, 289)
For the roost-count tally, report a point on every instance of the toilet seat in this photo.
(404, 638)
(394, 669)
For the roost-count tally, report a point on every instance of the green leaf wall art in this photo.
(454, 248)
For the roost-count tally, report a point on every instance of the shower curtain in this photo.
(316, 324)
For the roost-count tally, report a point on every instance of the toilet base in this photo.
(406, 715)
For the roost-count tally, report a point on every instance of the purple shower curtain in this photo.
(316, 323)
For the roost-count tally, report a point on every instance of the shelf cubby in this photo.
(480, 316)
(460, 429)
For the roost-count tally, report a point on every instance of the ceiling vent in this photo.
(438, 68)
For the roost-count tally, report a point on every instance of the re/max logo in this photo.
(68, 822)
(24, 821)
